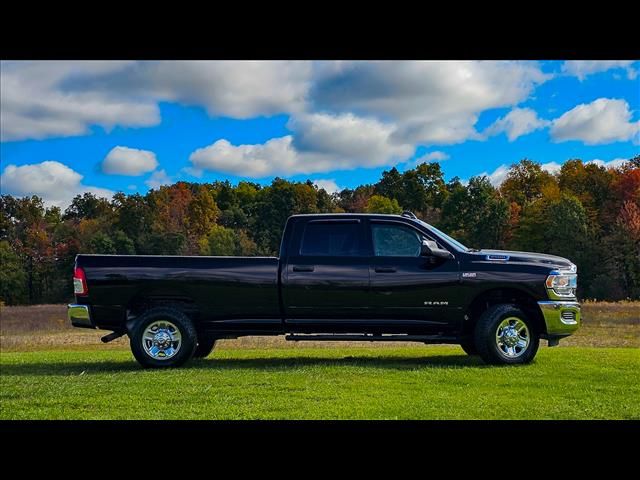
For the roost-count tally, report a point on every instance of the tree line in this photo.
(585, 212)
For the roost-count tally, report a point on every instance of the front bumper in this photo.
(80, 316)
(561, 318)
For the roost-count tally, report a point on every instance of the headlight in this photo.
(562, 284)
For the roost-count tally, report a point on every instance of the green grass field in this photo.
(416, 382)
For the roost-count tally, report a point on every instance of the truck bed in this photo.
(222, 287)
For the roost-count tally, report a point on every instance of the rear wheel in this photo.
(205, 347)
(163, 337)
(505, 335)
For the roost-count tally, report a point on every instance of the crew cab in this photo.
(368, 277)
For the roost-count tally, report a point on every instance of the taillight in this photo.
(80, 282)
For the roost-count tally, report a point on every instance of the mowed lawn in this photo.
(417, 382)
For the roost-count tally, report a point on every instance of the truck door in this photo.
(409, 289)
(326, 276)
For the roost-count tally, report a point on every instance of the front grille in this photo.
(568, 315)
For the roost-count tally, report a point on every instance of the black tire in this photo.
(183, 324)
(487, 328)
(469, 347)
(205, 347)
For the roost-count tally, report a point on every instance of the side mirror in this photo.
(430, 249)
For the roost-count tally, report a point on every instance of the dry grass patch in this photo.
(37, 327)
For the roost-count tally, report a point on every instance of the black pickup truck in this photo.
(338, 277)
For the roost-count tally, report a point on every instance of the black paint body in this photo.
(361, 293)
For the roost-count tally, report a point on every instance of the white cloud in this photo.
(321, 143)
(129, 161)
(604, 120)
(498, 176)
(518, 122)
(194, 172)
(351, 141)
(551, 167)
(436, 156)
(41, 99)
(329, 184)
(584, 68)
(54, 182)
(240, 89)
(615, 163)
(436, 102)
(423, 101)
(48, 99)
(271, 158)
(158, 179)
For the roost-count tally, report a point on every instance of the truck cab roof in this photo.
(354, 215)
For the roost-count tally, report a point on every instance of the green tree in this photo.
(221, 241)
(475, 214)
(122, 244)
(245, 246)
(559, 227)
(87, 206)
(590, 183)
(274, 204)
(168, 243)
(13, 279)
(417, 189)
(390, 184)
(102, 243)
(135, 218)
(380, 204)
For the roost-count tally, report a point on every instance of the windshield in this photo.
(446, 237)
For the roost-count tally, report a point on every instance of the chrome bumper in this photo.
(79, 316)
(561, 318)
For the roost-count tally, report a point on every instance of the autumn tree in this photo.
(202, 213)
(356, 200)
(587, 213)
(525, 181)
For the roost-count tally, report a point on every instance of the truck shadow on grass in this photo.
(258, 364)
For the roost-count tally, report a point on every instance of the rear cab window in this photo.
(332, 238)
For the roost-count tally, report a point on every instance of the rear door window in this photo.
(331, 239)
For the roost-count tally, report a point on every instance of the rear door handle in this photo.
(303, 268)
(385, 269)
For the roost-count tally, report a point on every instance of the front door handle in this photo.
(303, 268)
(386, 269)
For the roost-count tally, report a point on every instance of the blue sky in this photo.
(69, 127)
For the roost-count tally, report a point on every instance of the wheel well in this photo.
(504, 295)
(142, 303)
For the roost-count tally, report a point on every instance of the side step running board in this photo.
(370, 338)
(112, 336)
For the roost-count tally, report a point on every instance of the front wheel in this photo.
(504, 335)
(163, 337)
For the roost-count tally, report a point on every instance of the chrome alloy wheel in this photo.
(161, 340)
(512, 337)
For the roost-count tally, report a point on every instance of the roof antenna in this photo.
(409, 214)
